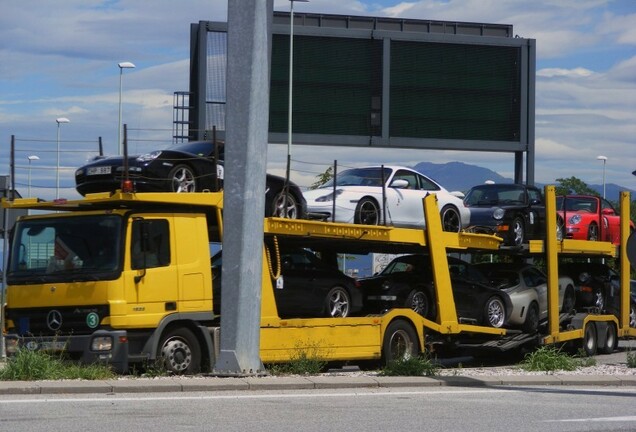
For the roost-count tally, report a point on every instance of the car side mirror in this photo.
(607, 211)
(399, 184)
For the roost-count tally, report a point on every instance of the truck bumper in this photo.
(103, 346)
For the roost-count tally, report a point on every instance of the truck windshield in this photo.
(66, 249)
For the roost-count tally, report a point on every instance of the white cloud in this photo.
(558, 72)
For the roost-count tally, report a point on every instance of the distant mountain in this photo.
(459, 176)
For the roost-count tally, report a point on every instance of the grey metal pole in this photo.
(5, 259)
(249, 35)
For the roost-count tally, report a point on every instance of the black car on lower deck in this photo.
(308, 286)
(515, 212)
(597, 285)
(407, 282)
(186, 167)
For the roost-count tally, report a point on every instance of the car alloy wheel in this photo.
(367, 212)
(451, 220)
(182, 179)
(338, 302)
(285, 206)
(495, 312)
(517, 232)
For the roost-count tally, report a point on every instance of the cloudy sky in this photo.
(59, 59)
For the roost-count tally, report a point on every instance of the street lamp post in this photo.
(604, 159)
(290, 99)
(122, 66)
(59, 121)
(31, 158)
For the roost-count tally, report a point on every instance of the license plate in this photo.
(52, 346)
(99, 170)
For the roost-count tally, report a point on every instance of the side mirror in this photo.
(399, 184)
(607, 212)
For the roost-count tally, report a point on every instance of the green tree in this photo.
(322, 178)
(573, 185)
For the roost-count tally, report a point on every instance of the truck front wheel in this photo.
(179, 352)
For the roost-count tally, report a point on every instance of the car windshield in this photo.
(199, 148)
(577, 204)
(65, 249)
(360, 177)
(495, 195)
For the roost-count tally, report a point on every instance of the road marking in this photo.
(595, 419)
(313, 394)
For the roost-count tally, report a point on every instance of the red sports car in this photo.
(589, 217)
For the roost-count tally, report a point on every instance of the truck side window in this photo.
(150, 243)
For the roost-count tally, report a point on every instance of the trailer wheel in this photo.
(400, 342)
(179, 352)
(611, 339)
(589, 339)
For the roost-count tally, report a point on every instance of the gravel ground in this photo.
(601, 369)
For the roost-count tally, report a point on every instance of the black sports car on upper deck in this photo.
(515, 212)
(186, 167)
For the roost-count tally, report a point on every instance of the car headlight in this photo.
(149, 156)
(498, 213)
(329, 197)
(79, 172)
(575, 219)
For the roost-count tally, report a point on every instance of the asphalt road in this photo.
(399, 409)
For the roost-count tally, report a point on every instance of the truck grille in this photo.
(57, 321)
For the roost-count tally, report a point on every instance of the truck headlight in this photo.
(102, 343)
(11, 345)
(498, 213)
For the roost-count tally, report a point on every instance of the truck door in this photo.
(152, 266)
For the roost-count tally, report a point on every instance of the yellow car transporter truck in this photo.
(126, 278)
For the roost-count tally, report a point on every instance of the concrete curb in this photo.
(216, 384)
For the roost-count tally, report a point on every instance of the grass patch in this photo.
(27, 365)
(549, 359)
(303, 361)
(421, 365)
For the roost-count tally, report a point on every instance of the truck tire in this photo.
(589, 339)
(400, 342)
(611, 339)
(179, 352)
